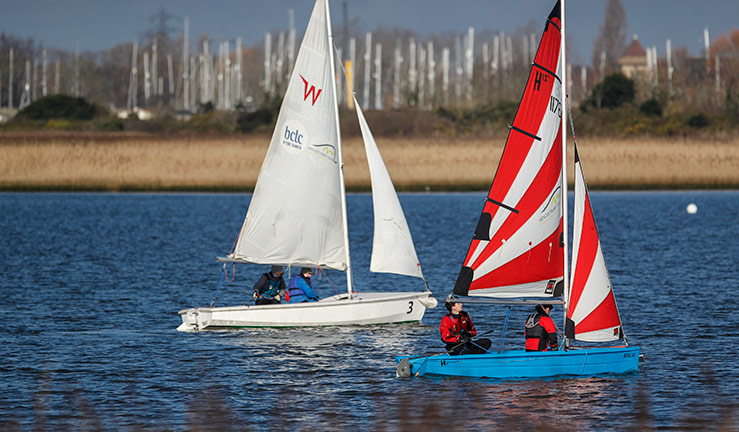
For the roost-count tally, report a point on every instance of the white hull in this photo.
(361, 309)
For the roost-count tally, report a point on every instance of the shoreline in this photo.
(152, 163)
(9, 189)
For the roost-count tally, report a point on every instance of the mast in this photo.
(563, 45)
(338, 148)
(186, 67)
(10, 79)
(378, 76)
(367, 66)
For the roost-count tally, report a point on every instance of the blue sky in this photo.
(100, 24)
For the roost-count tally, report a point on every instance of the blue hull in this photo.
(522, 364)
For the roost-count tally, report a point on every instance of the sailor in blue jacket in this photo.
(300, 288)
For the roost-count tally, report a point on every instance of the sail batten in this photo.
(528, 134)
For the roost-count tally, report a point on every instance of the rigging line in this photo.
(323, 272)
(343, 69)
(524, 132)
(423, 278)
(546, 70)
(220, 281)
(572, 124)
(233, 246)
(233, 272)
(509, 208)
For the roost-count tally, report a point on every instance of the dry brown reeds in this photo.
(104, 161)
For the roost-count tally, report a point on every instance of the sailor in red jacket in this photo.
(540, 329)
(457, 331)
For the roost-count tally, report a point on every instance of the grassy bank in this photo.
(141, 162)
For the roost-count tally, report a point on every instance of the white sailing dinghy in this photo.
(518, 252)
(297, 216)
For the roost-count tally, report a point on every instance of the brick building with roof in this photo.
(634, 60)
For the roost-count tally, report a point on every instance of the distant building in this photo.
(634, 61)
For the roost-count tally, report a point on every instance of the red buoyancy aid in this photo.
(540, 329)
(451, 328)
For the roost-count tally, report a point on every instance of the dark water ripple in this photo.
(91, 284)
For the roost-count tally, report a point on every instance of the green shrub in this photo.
(111, 124)
(698, 121)
(250, 121)
(59, 107)
(652, 108)
(614, 91)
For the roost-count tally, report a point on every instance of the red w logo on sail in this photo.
(310, 91)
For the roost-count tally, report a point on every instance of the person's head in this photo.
(306, 271)
(544, 308)
(277, 270)
(453, 306)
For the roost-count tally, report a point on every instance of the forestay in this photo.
(592, 314)
(295, 215)
(392, 245)
(517, 248)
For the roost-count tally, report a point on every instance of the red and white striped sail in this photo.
(592, 309)
(517, 248)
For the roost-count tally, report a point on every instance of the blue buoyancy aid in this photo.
(295, 294)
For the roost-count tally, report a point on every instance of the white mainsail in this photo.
(392, 246)
(295, 215)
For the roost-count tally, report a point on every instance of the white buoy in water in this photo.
(692, 208)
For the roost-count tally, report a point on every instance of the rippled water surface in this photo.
(91, 284)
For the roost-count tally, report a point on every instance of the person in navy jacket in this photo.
(270, 287)
(457, 331)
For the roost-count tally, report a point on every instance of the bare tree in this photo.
(612, 37)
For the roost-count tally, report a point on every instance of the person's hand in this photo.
(467, 336)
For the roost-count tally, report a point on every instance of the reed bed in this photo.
(90, 161)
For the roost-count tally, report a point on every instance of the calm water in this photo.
(91, 284)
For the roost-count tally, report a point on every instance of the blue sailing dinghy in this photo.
(518, 252)
(523, 364)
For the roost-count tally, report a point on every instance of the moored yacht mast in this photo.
(338, 151)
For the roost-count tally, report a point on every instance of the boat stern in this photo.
(194, 319)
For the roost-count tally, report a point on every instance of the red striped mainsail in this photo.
(517, 249)
(592, 314)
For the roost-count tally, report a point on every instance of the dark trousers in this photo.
(265, 301)
(477, 346)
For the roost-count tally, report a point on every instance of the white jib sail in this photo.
(392, 246)
(295, 216)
